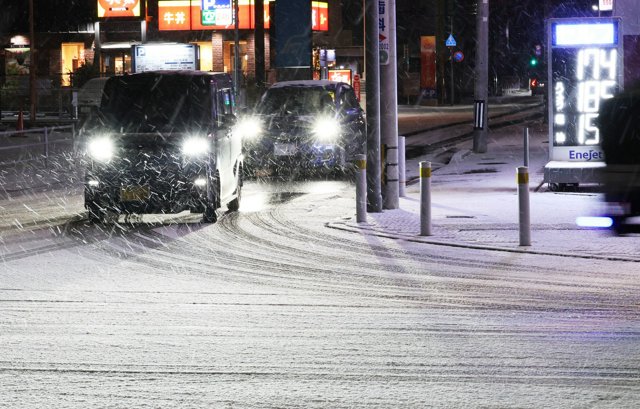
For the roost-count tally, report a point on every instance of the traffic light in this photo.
(533, 61)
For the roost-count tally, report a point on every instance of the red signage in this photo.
(319, 16)
(356, 85)
(118, 8)
(428, 62)
(340, 76)
(174, 15)
(187, 15)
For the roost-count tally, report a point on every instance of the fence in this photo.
(52, 99)
(36, 144)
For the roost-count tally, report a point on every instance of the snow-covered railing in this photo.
(35, 144)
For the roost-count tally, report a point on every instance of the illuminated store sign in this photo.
(187, 15)
(118, 8)
(585, 68)
(216, 12)
(340, 76)
(152, 57)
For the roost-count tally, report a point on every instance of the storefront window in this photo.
(206, 55)
(116, 62)
(72, 59)
(229, 56)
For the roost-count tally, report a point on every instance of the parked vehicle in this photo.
(619, 123)
(163, 143)
(90, 95)
(304, 126)
(537, 85)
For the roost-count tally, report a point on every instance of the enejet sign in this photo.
(585, 67)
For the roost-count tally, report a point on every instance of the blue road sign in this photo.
(451, 42)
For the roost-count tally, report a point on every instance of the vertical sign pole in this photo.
(425, 198)
(372, 67)
(402, 169)
(389, 101)
(526, 147)
(236, 49)
(361, 188)
(482, 75)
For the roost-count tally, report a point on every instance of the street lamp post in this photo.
(236, 49)
(32, 67)
(482, 78)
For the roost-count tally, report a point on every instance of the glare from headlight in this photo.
(195, 146)
(101, 148)
(249, 128)
(326, 129)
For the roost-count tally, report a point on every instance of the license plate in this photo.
(134, 193)
(284, 149)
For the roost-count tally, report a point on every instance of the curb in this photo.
(421, 239)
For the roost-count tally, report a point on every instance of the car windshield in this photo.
(156, 103)
(296, 100)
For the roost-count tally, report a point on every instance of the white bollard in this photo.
(361, 188)
(524, 208)
(425, 198)
(402, 168)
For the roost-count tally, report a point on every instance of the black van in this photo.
(162, 142)
(619, 123)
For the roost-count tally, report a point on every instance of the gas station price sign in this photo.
(585, 68)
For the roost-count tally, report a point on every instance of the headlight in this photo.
(195, 146)
(101, 148)
(249, 128)
(326, 129)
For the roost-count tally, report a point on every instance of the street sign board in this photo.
(383, 32)
(451, 42)
(216, 13)
(151, 57)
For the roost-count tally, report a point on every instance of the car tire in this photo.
(96, 214)
(234, 205)
(211, 205)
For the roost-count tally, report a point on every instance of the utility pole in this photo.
(482, 78)
(372, 67)
(33, 95)
(441, 11)
(389, 102)
(259, 46)
(236, 49)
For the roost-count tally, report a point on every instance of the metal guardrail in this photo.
(34, 144)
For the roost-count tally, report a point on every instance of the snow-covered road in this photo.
(271, 308)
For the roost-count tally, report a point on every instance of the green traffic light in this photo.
(533, 62)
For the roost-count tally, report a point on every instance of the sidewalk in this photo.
(475, 205)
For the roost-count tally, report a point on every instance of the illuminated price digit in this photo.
(588, 132)
(588, 58)
(589, 96)
(559, 92)
(596, 73)
(560, 137)
(609, 62)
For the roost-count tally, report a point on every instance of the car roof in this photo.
(308, 83)
(222, 78)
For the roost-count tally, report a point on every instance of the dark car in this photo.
(304, 126)
(162, 142)
(619, 123)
